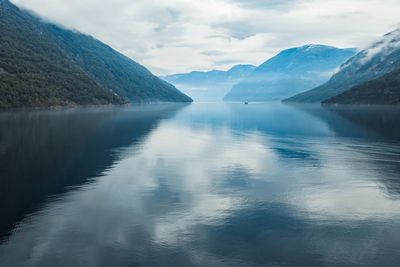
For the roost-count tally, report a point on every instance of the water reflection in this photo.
(44, 152)
(384, 120)
(227, 185)
(380, 125)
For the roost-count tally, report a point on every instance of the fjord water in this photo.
(201, 184)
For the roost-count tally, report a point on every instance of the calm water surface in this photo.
(200, 185)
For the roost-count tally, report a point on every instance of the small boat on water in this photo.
(246, 103)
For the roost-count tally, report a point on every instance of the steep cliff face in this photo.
(46, 65)
(113, 70)
(35, 72)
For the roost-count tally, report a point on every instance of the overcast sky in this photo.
(173, 36)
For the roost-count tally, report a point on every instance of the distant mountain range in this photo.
(45, 65)
(377, 60)
(211, 85)
(290, 72)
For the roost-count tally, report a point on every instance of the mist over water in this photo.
(201, 184)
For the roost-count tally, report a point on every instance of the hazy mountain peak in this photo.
(381, 57)
(310, 47)
(292, 70)
(315, 56)
(209, 85)
(241, 66)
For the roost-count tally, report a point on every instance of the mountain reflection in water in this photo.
(205, 184)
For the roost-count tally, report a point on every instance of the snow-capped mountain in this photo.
(290, 72)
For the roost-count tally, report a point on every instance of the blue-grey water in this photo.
(263, 184)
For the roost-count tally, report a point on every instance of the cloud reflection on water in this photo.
(198, 193)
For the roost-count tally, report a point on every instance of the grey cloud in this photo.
(217, 36)
(213, 53)
(237, 29)
(266, 4)
(171, 36)
(162, 17)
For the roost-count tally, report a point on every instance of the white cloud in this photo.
(385, 46)
(170, 36)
